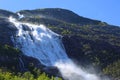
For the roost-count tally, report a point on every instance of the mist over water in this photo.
(71, 71)
(41, 43)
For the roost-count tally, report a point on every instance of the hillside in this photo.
(58, 14)
(86, 41)
(5, 13)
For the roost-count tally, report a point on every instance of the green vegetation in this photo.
(66, 32)
(9, 58)
(9, 67)
(6, 50)
(113, 69)
(59, 14)
(25, 76)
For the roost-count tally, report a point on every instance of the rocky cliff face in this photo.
(19, 63)
(6, 30)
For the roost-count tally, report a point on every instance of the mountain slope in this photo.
(86, 41)
(5, 13)
(103, 36)
(58, 14)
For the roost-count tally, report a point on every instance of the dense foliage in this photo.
(9, 57)
(113, 69)
(25, 76)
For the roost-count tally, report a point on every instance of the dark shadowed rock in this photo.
(7, 29)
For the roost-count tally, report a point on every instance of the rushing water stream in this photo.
(43, 44)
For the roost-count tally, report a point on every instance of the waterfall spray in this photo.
(70, 71)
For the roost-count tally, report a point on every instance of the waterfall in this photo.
(41, 43)
(20, 15)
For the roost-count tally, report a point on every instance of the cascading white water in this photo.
(20, 16)
(41, 43)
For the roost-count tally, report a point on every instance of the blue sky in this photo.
(104, 10)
